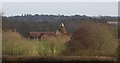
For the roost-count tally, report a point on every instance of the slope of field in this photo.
(14, 45)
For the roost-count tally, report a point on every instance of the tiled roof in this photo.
(39, 34)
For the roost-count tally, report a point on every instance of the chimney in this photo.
(14, 30)
(57, 32)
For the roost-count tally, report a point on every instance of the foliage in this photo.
(26, 23)
(93, 39)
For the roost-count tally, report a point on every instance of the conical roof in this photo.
(62, 28)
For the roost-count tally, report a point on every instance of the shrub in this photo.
(93, 39)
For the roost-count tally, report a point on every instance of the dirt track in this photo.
(57, 58)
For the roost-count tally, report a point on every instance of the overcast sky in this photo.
(65, 8)
(60, 0)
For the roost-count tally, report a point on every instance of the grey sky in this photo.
(60, 0)
(65, 8)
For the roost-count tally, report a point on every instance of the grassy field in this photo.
(14, 44)
(104, 47)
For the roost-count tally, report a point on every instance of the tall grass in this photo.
(14, 44)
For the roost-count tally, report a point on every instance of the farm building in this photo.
(61, 32)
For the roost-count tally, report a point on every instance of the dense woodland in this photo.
(49, 23)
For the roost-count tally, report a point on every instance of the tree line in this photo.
(48, 23)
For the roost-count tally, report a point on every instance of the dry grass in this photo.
(14, 44)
